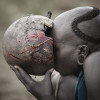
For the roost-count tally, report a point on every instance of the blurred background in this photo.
(11, 10)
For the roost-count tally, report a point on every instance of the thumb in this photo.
(48, 74)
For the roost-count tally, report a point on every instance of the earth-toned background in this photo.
(10, 10)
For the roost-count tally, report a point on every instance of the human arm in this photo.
(64, 86)
(41, 90)
(92, 76)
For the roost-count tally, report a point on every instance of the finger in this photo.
(18, 74)
(48, 74)
(27, 78)
(28, 86)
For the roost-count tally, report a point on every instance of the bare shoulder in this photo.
(92, 75)
(92, 57)
(66, 86)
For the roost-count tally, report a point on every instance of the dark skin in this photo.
(46, 88)
(68, 52)
(66, 86)
(32, 86)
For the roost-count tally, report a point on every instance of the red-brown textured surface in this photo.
(28, 47)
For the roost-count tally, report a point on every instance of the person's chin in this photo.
(62, 73)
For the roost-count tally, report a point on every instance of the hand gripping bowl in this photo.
(25, 44)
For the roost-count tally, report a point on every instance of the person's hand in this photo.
(41, 90)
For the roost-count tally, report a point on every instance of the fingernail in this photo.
(16, 66)
(51, 70)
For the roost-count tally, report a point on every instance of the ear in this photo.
(83, 52)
